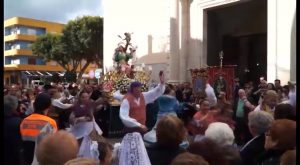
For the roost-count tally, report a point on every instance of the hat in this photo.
(135, 84)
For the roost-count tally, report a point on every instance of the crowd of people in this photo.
(57, 124)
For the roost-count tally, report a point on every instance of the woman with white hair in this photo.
(220, 133)
(259, 122)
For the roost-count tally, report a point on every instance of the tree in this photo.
(84, 39)
(49, 47)
(81, 40)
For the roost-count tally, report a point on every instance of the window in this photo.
(7, 31)
(29, 45)
(18, 30)
(7, 46)
(16, 46)
(31, 61)
(15, 61)
(31, 31)
(40, 31)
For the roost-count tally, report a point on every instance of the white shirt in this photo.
(117, 95)
(210, 95)
(59, 104)
(149, 97)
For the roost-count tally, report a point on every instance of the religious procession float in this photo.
(123, 73)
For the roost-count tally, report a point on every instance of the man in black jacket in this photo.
(12, 136)
(259, 123)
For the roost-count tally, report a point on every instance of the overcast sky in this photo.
(52, 10)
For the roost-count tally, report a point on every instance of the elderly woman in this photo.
(280, 138)
(221, 133)
(170, 132)
(259, 122)
(214, 153)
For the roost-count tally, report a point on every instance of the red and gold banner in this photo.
(222, 79)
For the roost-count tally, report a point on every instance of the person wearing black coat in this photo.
(163, 155)
(235, 94)
(280, 138)
(258, 122)
(12, 136)
(252, 149)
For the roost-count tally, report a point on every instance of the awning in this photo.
(40, 73)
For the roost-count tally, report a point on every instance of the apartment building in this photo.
(20, 64)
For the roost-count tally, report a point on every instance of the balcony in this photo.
(15, 52)
(24, 37)
(12, 67)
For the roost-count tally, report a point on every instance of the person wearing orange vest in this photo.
(32, 126)
(133, 106)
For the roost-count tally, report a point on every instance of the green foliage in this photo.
(81, 39)
(84, 38)
(49, 47)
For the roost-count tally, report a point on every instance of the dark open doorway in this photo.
(240, 31)
(249, 53)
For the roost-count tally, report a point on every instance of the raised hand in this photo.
(162, 77)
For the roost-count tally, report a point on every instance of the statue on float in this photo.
(123, 73)
(121, 56)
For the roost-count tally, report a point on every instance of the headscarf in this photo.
(132, 150)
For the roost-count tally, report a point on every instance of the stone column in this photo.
(150, 39)
(281, 41)
(293, 50)
(184, 40)
(173, 67)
